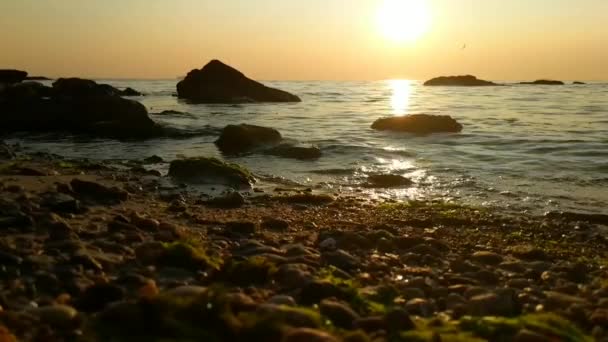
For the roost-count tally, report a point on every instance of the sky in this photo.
(304, 39)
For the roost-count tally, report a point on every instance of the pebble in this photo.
(59, 316)
(308, 335)
(282, 300)
(487, 258)
(341, 259)
(340, 314)
(398, 320)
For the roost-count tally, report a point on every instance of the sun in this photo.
(403, 20)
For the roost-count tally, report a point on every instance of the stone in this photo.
(58, 316)
(370, 324)
(98, 296)
(398, 320)
(6, 152)
(526, 335)
(341, 259)
(275, 224)
(300, 152)
(500, 303)
(282, 300)
(387, 181)
(578, 83)
(544, 82)
(558, 300)
(10, 76)
(573, 216)
(466, 80)
(154, 160)
(210, 171)
(186, 291)
(243, 228)
(229, 200)
(315, 291)
(61, 203)
(217, 82)
(130, 92)
(418, 124)
(340, 314)
(236, 139)
(97, 192)
(308, 335)
(488, 258)
(419, 306)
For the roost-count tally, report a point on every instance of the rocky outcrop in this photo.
(544, 82)
(8, 76)
(202, 170)
(242, 138)
(418, 124)
(465, 81)
(75, 105)
(217, 82)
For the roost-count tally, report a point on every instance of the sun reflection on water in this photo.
(400, 100)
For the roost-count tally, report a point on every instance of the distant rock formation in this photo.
(74, 105)
(244, 138)
(418, 124)
(463, 81)
(217, 82)
(38, 78)
(10, 76)
(577, 82)
(544, 82)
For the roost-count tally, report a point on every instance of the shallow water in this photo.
(524, 147)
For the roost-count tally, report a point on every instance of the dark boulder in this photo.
(204, 170)
(544, 82)
(387, 181)
(74, 105)
(466, 81)
(578, 82)
(295, 151)
(8, 76)
(130, 92)
(419, 124)
(242, 138)
(38, 78)
(6, 152)
(217, 82)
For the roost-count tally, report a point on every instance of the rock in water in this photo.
(130, 92)
(544, 82)
(75, 105)
(387, 181)
(578, 82)
(242, 138)
(295, 151)
(217, 82)
(8, 76)
(466, 81)
(210, 171)
(418, 123)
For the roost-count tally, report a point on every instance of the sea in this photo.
(524, 148)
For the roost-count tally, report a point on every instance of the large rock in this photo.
(9, 76)
(466, 80)
(544, 82)
(75, 105)
(210, 171)
(418, 123)
(243, 138)
(217, 82)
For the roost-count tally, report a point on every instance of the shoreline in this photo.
(115, 255)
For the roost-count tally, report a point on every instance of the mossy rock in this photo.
(202, 170)
(254, 270)
(186, 255)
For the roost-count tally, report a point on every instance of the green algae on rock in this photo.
(203, 170)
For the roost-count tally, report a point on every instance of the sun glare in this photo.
(403, 20)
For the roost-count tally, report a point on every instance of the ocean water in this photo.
(524, 148)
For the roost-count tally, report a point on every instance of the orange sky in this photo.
(297, 39)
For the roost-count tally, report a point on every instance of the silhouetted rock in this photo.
(466, 80)
(204, 170)
(38, 78)
(8, 76)
(217, 82)
(544, 82)
(295, 151)
(387, 181)
(242, 138)
(418, 123)
(130, 92)
(577, 82)
(75, 105)
(6, 152)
